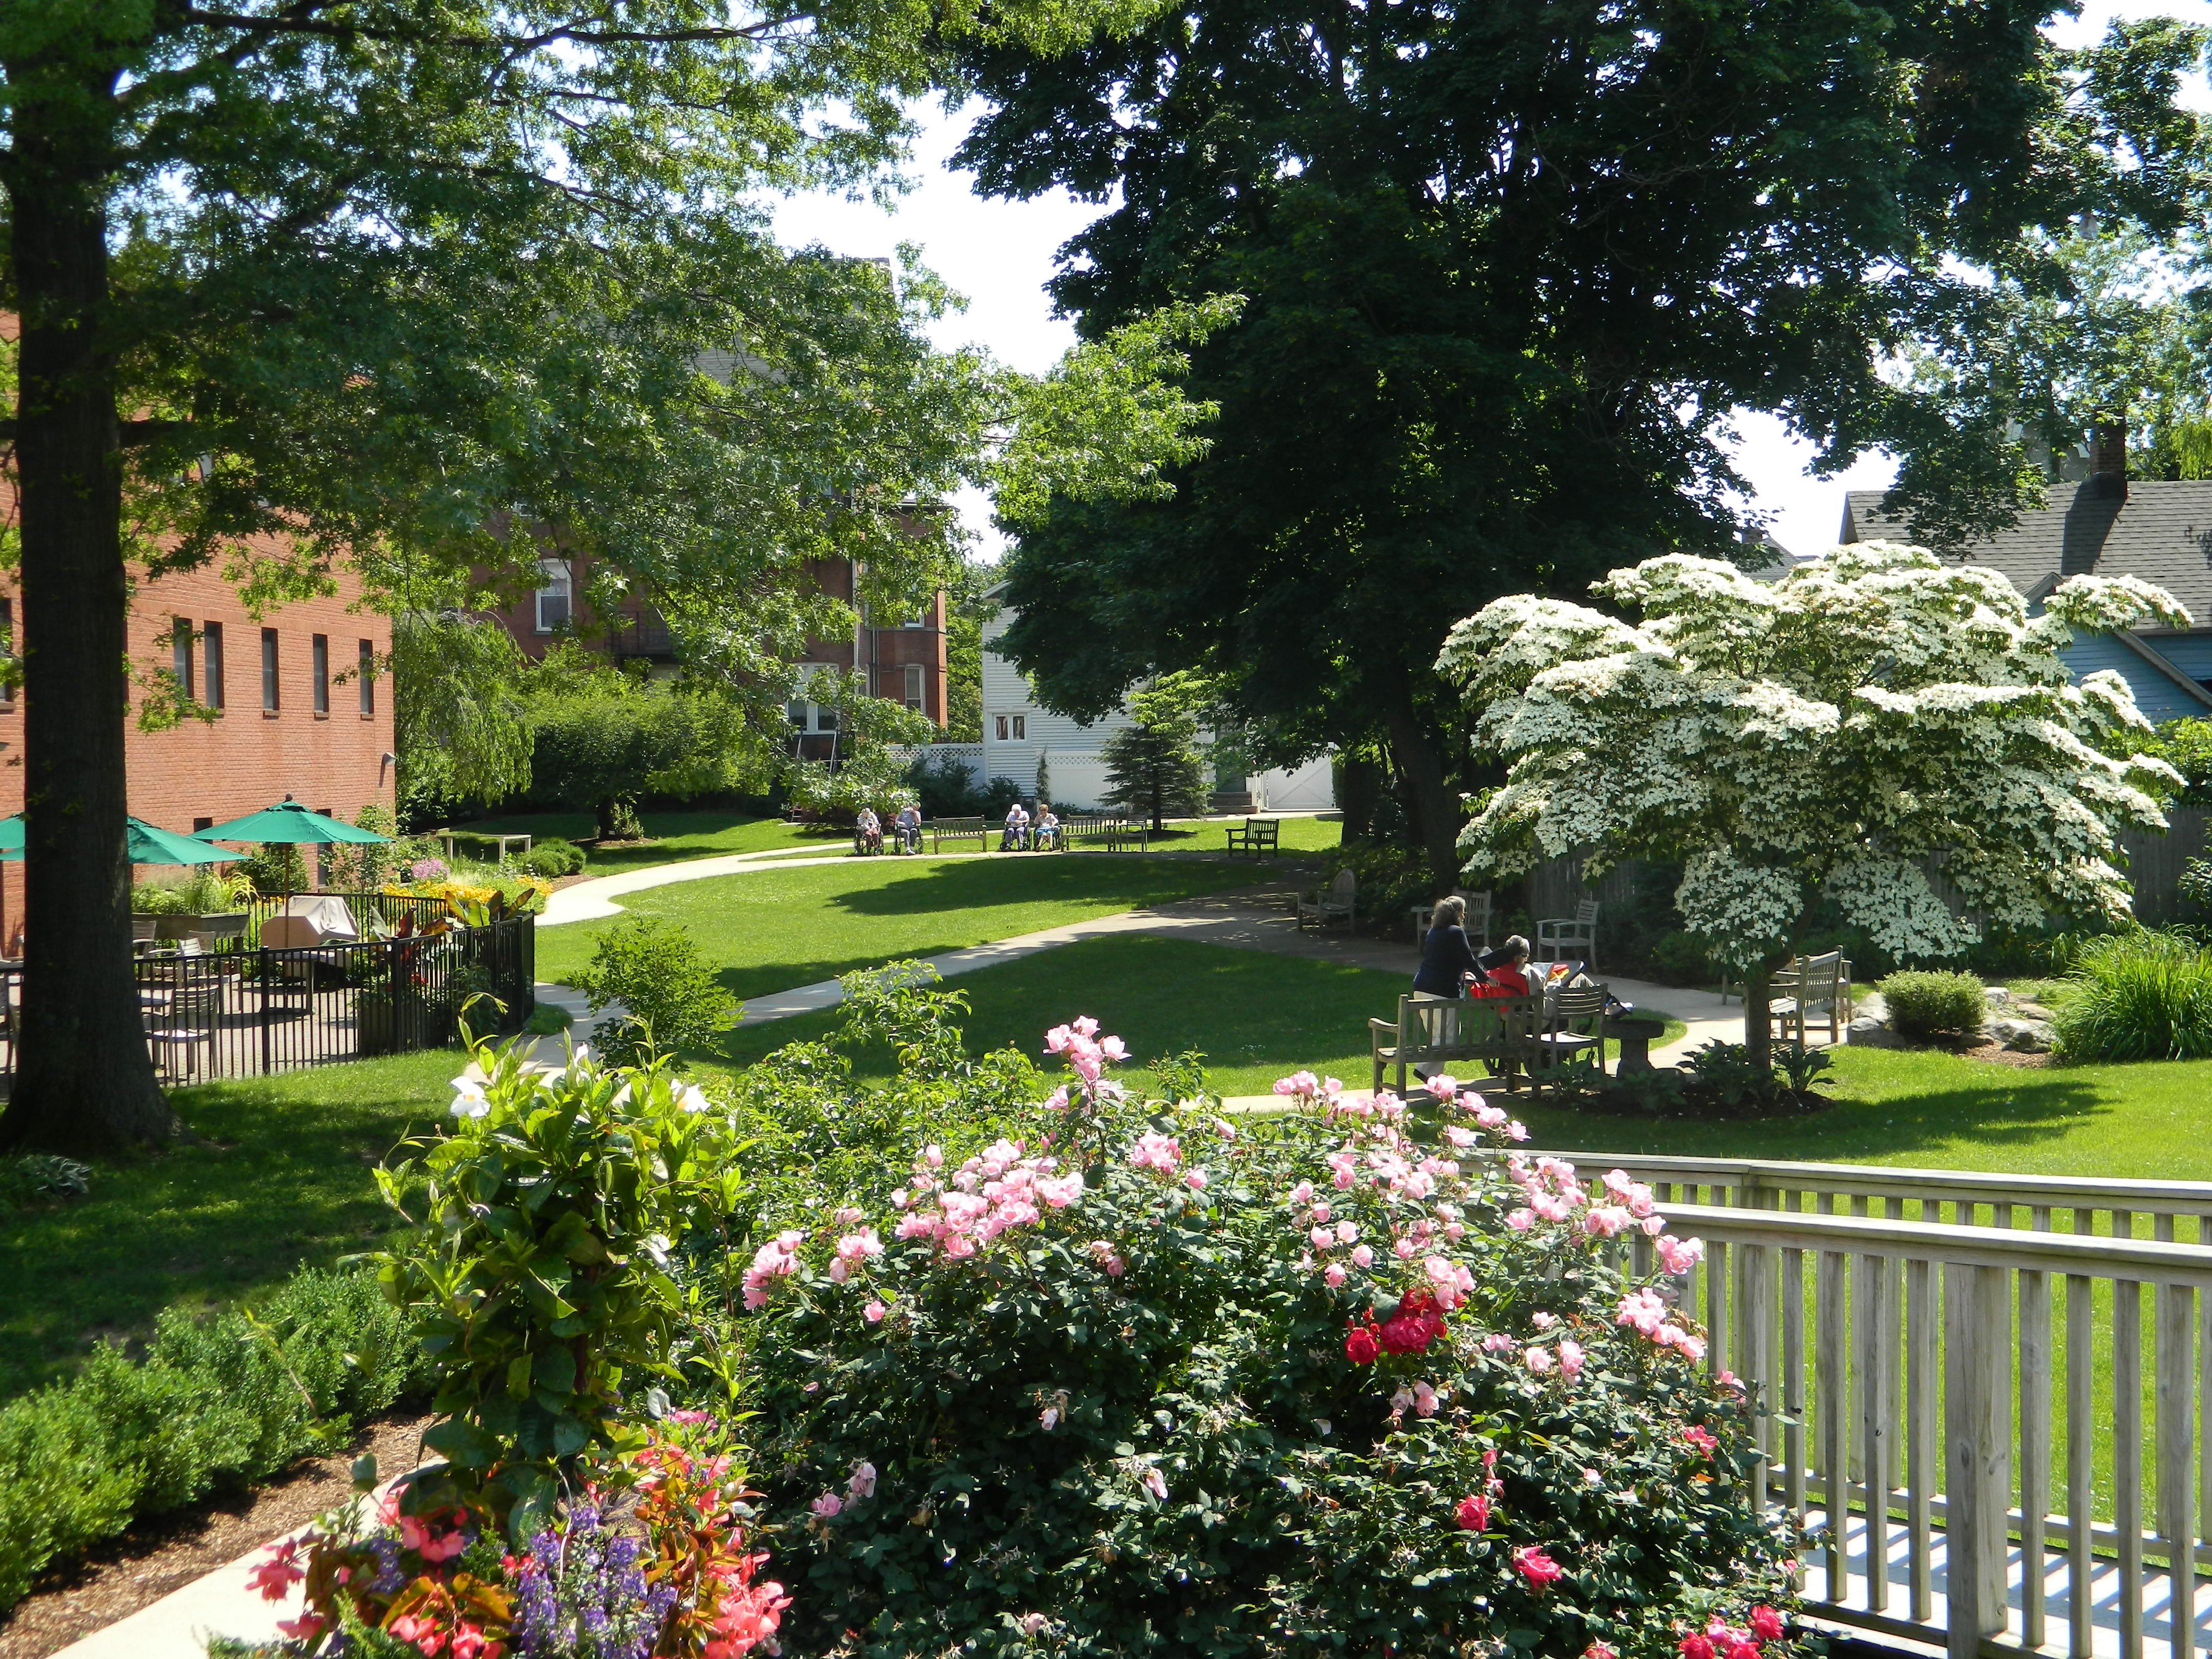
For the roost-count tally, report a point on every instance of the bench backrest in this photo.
(1344, 884)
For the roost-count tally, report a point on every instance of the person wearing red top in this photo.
(1501, 969)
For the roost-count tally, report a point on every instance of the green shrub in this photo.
(945, 788)
(551, 857)
(201, 894)
(1678, 958)
(2143, 995)
(540, 1273)
(674, 1000)
(222, 1400)
(1926, 1004)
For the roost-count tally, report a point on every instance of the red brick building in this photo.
(294, 712)
(903, 659)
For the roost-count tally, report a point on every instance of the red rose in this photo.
(1743, 1651)
(1473, 1513)
(1695, 1647)
(1766, 1624)
(1360, 1346)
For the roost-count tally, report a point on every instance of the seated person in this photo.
(867, 830)
(1048, 827)
(909, 827)
(1504, 969)
(1447, 959)
(1017, 830)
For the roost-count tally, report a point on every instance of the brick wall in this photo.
(248, 758)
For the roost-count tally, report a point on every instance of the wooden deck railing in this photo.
(1974, 1470)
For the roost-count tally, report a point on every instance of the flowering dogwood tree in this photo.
(1874, 713)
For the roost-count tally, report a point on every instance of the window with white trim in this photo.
(805, 714)
(555, 602)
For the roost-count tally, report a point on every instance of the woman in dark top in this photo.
(1445, 954)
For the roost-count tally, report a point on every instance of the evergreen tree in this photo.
(1155, 767)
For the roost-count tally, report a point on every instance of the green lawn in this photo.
(1943, 1111)
(278, 1179)
(672, 837)
(1256, 1017)
(782, 928)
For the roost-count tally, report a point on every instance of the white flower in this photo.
(469, 1097)
(692, 1097)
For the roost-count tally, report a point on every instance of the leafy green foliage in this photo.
(1133, 1419)
(551, 857)
(540, 1270)
(1925, 1004)
(237, 1397)
(599, 738)
(2141, 995)
(41, 1178)
(457, 716)
(654, 968)
(2186, 746)
(1449, 343)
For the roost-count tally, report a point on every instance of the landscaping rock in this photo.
(2025, 1036)
(2031, 1011)
(1997, 996)
(1868, 1032)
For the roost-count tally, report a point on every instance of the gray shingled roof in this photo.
(2161, 532)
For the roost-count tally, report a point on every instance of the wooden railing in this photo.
(1973, 1470)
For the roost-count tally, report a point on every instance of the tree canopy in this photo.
(438, 285)
(1507, 270)
(1837, 733)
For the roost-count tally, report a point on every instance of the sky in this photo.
(1000, 255)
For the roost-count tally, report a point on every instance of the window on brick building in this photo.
(805, 714)
(268, 697)
(200, 824)
(180, 654)
(367, 678)
(556, 600)
(8, 651)
(321, 650)
(211, 660)
(910, 685)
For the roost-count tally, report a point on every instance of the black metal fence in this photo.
(249, 1012)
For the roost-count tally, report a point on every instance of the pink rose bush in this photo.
(1131, 1375)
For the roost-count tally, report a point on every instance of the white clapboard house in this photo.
(1017, 735)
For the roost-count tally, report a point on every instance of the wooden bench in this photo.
(944, 830)
(1258, 835)
(1101, 832)
(1338, 902)
(1499, 1031)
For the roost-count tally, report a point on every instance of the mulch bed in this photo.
(168, 1552)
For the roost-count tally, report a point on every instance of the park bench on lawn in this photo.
(1501, 1032)
(1102, 832)
(944, 830)
(1258, 835)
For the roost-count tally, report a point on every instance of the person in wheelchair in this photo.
(867, 832)
(907, 827)
(1016, 837)
(1048, 828)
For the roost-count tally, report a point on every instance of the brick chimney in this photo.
(2108, 459)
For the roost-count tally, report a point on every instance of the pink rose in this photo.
(1537, 1568)
(828, 1504)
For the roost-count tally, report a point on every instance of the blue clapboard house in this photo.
(2105, 524)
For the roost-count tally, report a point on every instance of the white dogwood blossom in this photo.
(1872, 718)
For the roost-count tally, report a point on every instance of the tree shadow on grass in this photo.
(277, 1178)
(2014, 1112)
(1042, 878)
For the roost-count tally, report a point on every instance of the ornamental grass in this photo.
(2139, 995)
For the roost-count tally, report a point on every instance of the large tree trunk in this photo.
(1757, 1027)
(84, 1082)
(1360, 784)
(1435, 807)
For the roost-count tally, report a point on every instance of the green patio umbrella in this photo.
(149, 843)
(288, 821)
